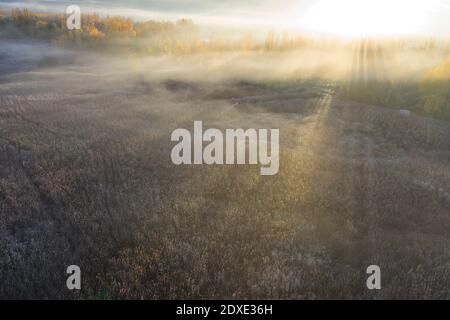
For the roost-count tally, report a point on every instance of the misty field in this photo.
(86, 176)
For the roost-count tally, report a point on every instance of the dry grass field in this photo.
(86, 179)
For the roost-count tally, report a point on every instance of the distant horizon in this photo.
(312, 17)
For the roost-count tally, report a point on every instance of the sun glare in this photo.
(352, 18)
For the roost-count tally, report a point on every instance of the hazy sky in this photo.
(343, 17)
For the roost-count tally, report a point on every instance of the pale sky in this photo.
(336, 17)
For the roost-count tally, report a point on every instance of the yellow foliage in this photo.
(91, 19)
(435, 89)
(441, 72)
(119, 25)
(437, 79)
(95, 33)
(247, 43)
